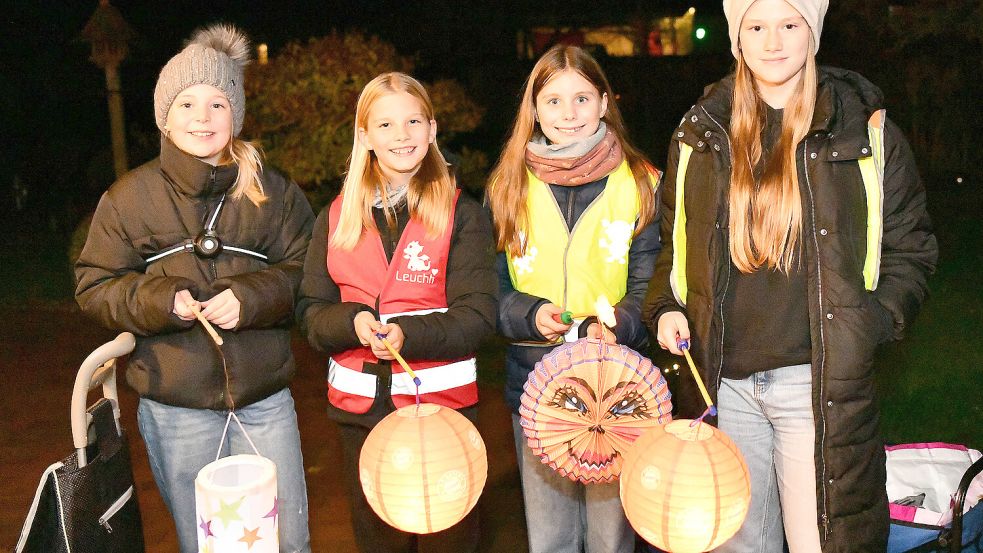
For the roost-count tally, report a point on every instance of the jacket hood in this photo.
(844, 102)
(192, 176)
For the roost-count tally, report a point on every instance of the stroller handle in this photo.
(98, 368)
(959, 501)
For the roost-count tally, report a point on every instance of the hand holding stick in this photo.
(399, 359)
(208, 326)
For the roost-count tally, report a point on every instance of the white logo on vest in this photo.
(524, 264)
(418, 262)
(617, 240)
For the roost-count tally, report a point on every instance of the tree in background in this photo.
(301, 107)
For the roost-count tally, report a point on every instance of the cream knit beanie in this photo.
(214, 56)
(813, 11)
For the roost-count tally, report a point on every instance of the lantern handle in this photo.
(225, 431)
(402, 362)
(711, 408)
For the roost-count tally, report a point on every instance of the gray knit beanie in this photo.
(813, 11)
(214, 56)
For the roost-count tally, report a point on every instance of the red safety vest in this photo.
(414, 284)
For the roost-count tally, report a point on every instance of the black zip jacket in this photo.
(846, 321)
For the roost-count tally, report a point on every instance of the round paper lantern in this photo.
(237, 506)
(422, 468)
(685, 489)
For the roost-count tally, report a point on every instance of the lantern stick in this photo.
(567, 317)
(684, 345)
(401, 361)
(204, 322)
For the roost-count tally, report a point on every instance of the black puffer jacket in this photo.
(846, 321)
(163, 203)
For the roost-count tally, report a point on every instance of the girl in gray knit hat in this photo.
(206, 233)
(795, 239)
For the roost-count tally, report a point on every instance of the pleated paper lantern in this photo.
(422, 468)
(237, 505)
(685, 489)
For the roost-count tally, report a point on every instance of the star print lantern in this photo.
(586, 402)
(423, 467)
(237, 505)
(685, 489)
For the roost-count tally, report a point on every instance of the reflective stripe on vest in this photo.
(871, 172)
(571, 268)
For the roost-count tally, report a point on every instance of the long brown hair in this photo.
(508, 184)
(766, 219)
(431, 190)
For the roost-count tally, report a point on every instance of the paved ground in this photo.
(41, 347)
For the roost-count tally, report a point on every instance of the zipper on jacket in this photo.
(822, 341)
(566, 247)
(114, 508)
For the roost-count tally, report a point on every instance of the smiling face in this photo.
(200, 122)
(774, 41)
(399, 133)
(569, 108)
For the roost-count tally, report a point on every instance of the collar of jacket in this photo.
(192, 176)
(844, 103)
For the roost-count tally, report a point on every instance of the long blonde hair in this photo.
(431, 190)
(248, 183)
(766, 219)
(508, 184)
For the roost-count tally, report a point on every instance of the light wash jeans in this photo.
(769, 417)
(181, 441)
(563, 516)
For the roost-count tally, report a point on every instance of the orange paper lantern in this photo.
(422, 468)
(685, 489)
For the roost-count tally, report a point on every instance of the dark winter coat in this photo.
(846, 321)
(162, 203)
(517, 310)
(472, 294)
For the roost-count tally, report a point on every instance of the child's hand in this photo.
(545, 323)
(598, 331)
(365, 327)
(222, 309)
(672, 326)
(394, 335)
(183, 302)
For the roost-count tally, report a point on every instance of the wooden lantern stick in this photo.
(399, 359)
(208, 326)
(684, 346)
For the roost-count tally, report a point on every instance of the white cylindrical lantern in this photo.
(237, 505)
(422, 468)
(685, 489)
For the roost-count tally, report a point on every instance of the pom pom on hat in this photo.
(813, 11)
(216, 56)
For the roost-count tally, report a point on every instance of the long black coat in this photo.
(846, 321)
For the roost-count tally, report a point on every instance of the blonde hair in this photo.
(508, 184)
(431, 190)
(766, 218)
(249, 159)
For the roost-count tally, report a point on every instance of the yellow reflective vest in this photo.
(571, 268)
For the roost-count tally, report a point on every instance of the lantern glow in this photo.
(422, 468)
(685, 489)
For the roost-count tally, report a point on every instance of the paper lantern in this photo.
(237, 505)
(422, 468)
(586, 402)
(685, 489)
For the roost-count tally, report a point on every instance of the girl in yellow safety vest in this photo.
(573, 204)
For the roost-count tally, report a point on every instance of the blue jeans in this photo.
(769, 417)
(563, 516)
(181, 441)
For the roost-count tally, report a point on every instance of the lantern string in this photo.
(225, 431)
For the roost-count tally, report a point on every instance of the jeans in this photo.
(181, 441)
(769, 417)
(564, 516)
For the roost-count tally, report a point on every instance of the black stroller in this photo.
(87, 501)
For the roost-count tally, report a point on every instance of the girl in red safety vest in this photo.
(573, 204)
(400, 254)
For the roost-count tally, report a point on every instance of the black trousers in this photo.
(372, 534)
